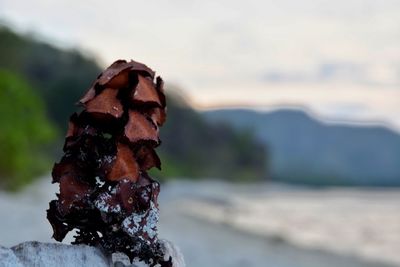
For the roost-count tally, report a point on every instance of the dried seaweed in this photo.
(105, 191)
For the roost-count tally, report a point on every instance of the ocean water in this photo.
(296, 226)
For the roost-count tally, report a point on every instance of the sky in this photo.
(339, 58)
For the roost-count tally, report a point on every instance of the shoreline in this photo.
(343, 221)
(218, 243)
(219, 236)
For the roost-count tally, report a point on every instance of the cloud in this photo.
(214, 47)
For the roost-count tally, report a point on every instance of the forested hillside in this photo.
(191, 146)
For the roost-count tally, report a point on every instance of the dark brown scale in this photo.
(105, 191)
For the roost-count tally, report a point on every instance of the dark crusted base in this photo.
(100, 234)
(132, 247)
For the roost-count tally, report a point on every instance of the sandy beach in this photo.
(219, 224)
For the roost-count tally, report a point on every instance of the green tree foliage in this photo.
(24, 131)
(59, 76)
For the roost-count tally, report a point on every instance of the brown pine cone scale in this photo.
(105, 191)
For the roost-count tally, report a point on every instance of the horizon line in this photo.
(309, 111)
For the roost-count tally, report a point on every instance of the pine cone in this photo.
(105, 191)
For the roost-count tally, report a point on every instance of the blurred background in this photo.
(282, 144)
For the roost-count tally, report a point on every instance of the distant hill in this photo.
(305, 150)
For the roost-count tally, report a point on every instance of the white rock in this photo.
(36, 254)
(60, 255)
(121, 260)
(8, 258)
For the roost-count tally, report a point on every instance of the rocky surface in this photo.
(8, 258)
(36, 254)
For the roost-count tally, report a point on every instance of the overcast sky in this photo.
(340, 58)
